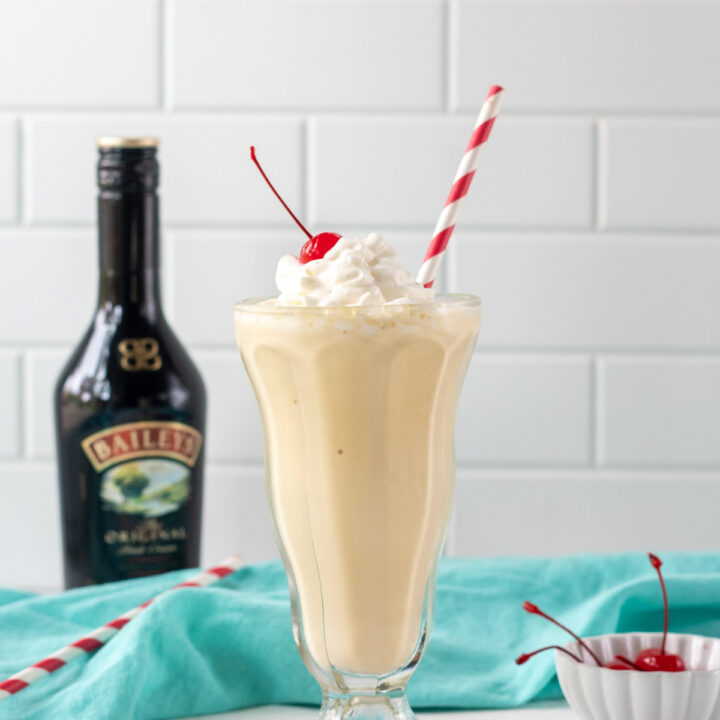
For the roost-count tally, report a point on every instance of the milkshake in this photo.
(357, 371)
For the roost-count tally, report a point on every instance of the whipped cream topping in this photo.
(361, 271)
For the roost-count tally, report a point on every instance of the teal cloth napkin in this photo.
(227, 646)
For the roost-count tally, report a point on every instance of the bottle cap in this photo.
(127, 165)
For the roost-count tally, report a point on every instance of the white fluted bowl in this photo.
(597, 693)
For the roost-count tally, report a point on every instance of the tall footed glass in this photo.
(358, 407)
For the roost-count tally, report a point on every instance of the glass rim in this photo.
(441, 301)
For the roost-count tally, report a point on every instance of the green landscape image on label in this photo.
(149, 488)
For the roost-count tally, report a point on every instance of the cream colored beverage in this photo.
(357, 371)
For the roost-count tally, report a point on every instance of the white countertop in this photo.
(535, 711)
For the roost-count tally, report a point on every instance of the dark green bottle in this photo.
(130, 404)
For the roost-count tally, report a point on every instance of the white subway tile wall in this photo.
(592, 291)
(525, 410)
(30, 521)
(659, 410)
(590, 419)
(590, 55)
(547, 164)
(236, 516)
(546, 513)
(233, 431)
(663, 174)
(80, 54)
(283, 55)
(241, 265)
(41, 370)
(206, 174)
(48, 281)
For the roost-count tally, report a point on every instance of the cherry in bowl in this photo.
(651, 659)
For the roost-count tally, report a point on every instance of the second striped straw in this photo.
(461, 184)
(98, 637)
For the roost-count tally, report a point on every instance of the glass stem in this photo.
(361, 706)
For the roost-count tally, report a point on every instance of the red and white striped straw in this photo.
(98, 637)
(461, 184)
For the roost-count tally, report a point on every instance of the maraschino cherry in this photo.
(316, 245)
(648, 660)
(656, 659)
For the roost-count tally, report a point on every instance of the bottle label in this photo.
(143, 482)
(143, 439)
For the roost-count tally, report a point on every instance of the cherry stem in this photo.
(657, 563)
(277, 194)
(522, 659)
(629, 662)
(535, 610)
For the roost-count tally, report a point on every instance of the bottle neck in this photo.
(129, 252)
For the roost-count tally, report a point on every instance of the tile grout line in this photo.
(19, 168)
(20, 407)
(25, 179)
(540, 470)
(592, 413)
(24, 414)
(307, 170)
(163, 57)
(578, 473)
(447, 55)
(600, 440)
(169, 266)
(594, 176)
(303, 161)
(574, 473)
(600, 175)
(566, 234)
(527, 354)
(574, 235)
(454, 109)
(539, 354)
(418, 115)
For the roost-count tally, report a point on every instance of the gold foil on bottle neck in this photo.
(115, 141)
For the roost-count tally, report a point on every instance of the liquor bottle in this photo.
(129, 404)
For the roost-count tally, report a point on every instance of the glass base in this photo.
(376, 706)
